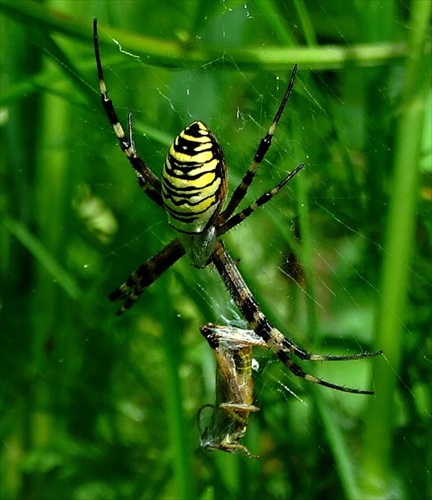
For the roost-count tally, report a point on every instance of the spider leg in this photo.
(277, 342)
(261, 151)
(147, 180)
(262, 200)
(146, 274)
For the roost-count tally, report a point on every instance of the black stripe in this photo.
(283, 356)
(184, 200)
(263, 147)
(196, 131)
(212, 148)
(185, 216)
(263, 329)
(249, 307)
(258, 322)
(173, 163)
(188, 146)
(171, 166)
(294, 368)
(186, 193)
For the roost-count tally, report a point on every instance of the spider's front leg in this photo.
(147, 180)
(277, 342)
(259, 156)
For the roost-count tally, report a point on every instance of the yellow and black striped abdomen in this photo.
(194, 180)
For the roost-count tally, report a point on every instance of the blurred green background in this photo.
(99, 407)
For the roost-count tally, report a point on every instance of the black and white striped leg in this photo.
(146, 274)
(147, 180)
(262, 200)
(277, 342)
(261, 151)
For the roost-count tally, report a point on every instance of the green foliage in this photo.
(95, 406)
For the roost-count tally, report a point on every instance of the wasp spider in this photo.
(232, 348)
(193, 192)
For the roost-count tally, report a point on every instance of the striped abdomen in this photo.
(194, 180)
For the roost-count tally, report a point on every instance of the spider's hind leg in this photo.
(146, 274)
(277, 342)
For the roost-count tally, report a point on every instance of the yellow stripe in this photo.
(193, 202)
(202, 157)
(204, 179)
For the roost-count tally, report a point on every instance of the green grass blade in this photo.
(173, 54)
(397, 260)
(44, 257)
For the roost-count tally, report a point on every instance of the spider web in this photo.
(312, 257)
(345, 251)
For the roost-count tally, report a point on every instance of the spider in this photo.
(193, 192)
(232, 348)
